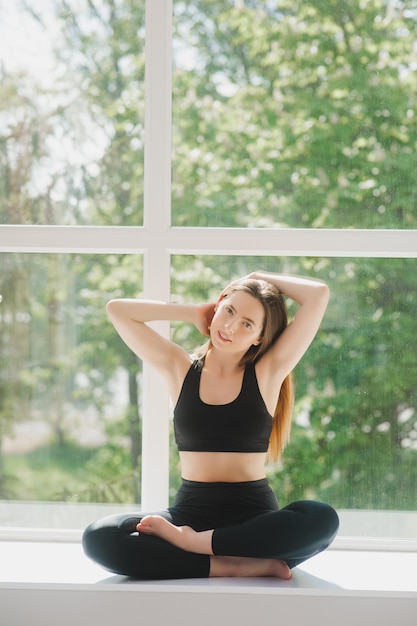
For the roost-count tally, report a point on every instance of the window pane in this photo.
(294, 115)
(70, 416)
(71, 112)
(354, 437)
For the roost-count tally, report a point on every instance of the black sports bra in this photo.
(243, 425)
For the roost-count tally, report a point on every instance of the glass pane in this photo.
(294, 114)
(70, 410)
(354, 436)
(72, 112)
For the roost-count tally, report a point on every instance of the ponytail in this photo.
(281, 426)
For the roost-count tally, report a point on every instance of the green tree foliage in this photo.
(355, 419)
(104, 52)
(97, 103)
(295, 114)
(62, 366)
(25, 129)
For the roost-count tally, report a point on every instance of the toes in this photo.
(144, 525)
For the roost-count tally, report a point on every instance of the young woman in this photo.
(233, 404)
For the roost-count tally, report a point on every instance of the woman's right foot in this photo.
(247, 567)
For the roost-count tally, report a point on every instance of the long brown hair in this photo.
(275, 322)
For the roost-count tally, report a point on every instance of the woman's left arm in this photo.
(312, 296)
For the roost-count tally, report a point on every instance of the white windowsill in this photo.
(49, 583)
(50, 563)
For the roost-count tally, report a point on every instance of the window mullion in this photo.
(157, 209)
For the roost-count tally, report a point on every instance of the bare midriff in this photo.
(231, 467)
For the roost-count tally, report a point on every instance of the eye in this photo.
(248, 325)
(228, 309)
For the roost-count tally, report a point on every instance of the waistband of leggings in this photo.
(194, 484)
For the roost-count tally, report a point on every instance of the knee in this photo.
(89, 540)
(329, 523)
(97, 536)
(335, 519)
(102, 536)
(328, 520)
(321, 516)
(326, 515)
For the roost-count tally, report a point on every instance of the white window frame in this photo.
(157, 240)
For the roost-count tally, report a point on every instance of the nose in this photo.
(231, 326)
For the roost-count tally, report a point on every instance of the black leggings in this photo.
(246, 520)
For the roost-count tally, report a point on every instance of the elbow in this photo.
(111, 307)
(324, 292)
(320, 294)
(325, 289)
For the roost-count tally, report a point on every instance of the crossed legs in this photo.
(266, 545)
(186, 538)
(269, 544)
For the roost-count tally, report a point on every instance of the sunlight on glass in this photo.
(70, 428)
(72, 113)
(293, 116)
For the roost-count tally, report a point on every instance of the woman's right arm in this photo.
(130, 318)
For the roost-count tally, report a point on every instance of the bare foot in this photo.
(181, 536)
(160, 527)
(247, 567)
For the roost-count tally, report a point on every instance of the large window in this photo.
(290, 133)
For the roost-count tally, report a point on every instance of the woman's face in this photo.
(237, 323)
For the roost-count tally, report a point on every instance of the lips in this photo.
(223, 337)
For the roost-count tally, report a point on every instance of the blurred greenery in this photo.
(296, 114)
(289, 114)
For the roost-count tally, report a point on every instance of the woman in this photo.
(233, 405)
